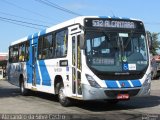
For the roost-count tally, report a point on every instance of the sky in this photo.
(14, 14)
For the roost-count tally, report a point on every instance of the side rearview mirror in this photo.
(149, 38)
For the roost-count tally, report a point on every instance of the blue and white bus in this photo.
(85, 58)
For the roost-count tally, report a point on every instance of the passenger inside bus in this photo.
(21, 57)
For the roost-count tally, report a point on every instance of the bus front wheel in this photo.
(64, 101)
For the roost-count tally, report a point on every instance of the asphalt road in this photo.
(144, 108)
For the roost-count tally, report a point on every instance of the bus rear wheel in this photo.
(64, 101)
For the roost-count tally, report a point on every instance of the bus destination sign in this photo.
(110, 23)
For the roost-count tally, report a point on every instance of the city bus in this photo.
(85, 58)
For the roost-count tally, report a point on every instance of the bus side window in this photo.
(15, 53)
(61, 44)
(21, 52)
(46, 46)
(27, 51)
(11, 54)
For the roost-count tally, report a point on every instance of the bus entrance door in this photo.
(76, 63)
(34, 59)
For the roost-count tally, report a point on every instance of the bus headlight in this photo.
(148, 80)
(92, 81)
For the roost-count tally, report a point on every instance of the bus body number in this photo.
(97, 23)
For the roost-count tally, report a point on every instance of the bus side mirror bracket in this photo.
(150, 40)
(82, 41)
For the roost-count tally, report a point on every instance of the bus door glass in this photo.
(34, 65)
(76, 66)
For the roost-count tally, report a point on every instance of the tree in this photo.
(155, 43)
(3, 63)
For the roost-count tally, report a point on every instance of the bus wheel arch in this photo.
(59, 90)
(23, 90)
(57, 81)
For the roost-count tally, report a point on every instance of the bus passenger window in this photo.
(46, 46)
(61, 44)
(15, 54)
(27, 52)
(43, 54)
(21, 52)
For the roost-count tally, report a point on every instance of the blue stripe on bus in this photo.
(124, 83)
(136, 83)
(111, 84)
(35, 35)
(46, 80)
(29, 37)
(38, 80)
(35, 41)
(29, 74)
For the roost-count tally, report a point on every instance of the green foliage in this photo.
(155, 43)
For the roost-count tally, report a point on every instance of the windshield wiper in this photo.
(128, 40)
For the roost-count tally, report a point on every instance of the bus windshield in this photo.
(116, 51)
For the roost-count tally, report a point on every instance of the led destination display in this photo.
(113, 23)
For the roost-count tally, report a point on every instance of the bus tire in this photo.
(23, 90)
(63, 100)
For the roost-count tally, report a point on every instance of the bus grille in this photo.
(120, 77)
(114, 93)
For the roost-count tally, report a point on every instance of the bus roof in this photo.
(77, 20)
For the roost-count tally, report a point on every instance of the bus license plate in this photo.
(123, 96)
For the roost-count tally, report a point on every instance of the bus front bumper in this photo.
(91, 93)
